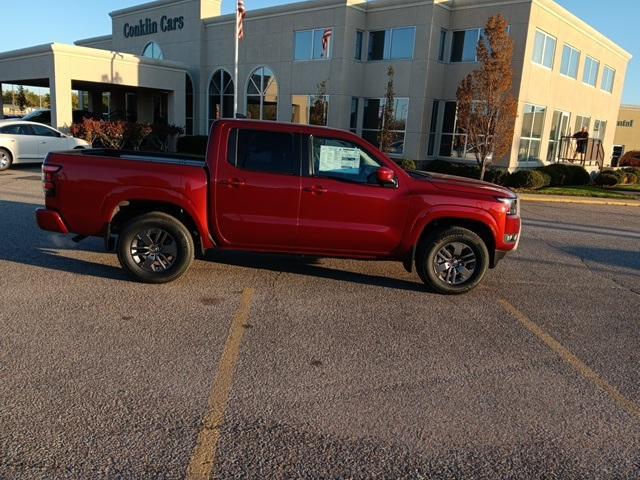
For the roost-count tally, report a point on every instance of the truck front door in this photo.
(257, 189)
(344, 209)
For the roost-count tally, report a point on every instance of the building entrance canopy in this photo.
(63, 68)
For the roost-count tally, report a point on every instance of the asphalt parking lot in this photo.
(265, 367)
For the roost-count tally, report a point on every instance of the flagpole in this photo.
(235, 75)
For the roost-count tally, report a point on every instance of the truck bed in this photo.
(93, 184)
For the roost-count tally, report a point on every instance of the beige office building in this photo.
(173, 60)
(627, 137)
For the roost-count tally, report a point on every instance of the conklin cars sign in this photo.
(148, 26)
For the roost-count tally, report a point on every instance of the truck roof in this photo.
(278, 126)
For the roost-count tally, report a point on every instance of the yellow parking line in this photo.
(204, 455)
(631, 407)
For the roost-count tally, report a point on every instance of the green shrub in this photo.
(563, 174)
(441, 166)
(529, 179)
(451, 168)
(632, 178)
(634, 170)
(606, 180)
(498, 176)
(407, 164)
(193, 145)
(624, 176)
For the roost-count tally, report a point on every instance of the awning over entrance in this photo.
(63, 68)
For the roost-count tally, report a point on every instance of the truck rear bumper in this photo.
(51, 221)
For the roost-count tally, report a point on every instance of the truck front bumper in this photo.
(51, 221)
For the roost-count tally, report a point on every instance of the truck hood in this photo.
(452, 183)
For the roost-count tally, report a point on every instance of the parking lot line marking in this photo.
(204, 455)
(632, 408)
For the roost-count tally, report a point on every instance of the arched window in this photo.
(153, 50)
(220, 96)
(188, 105)
(262, 95)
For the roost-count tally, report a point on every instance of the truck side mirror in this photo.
(386, 177)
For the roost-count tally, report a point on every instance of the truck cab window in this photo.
(343, 160)
(266, 151)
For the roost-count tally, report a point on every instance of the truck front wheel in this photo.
(452, 260)
(155, 248)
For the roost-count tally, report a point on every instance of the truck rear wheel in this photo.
(155, 248)
(452, 260)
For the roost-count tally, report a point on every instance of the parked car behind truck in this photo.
(283, 188)
(28, 142)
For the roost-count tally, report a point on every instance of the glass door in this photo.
(559, 129)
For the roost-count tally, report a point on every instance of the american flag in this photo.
(240, 18)
(326, 41)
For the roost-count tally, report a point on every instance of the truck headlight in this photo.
(512, 204)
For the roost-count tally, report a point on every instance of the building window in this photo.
(188, 88)
(590, 75)
(310, 109)
(531, 135)
(544, 49)
(443, 45)
(582, 122)
(220, 96)
(464, 45)
(608, 77)
(570, 61)
(453, 143)
(433, 128)
(262, 95)
(373, 123)
(153, 50)
(359, 45)
(392, 44)
(309, 44)
(599, 129)
(353, 119)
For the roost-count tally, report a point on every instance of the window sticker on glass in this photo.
(339, 159)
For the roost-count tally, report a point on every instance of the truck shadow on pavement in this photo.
(24, 243)
(308, 266)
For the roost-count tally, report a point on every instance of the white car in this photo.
(29, 142)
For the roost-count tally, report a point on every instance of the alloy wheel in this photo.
(455, 263)
(4, 160)
(154, 250)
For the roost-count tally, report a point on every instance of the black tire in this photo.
(155, 248)
(6, 159)
(452, 275)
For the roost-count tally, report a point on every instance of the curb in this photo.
(581, 201)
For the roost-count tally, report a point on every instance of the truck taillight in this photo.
(49, 174)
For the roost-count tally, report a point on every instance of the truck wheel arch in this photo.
(485, 230)
(127, 210)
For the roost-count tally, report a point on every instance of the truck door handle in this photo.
(316, 190)
(232, 182)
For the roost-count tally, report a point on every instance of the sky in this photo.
(65, 21)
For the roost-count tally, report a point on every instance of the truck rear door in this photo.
(257, 189)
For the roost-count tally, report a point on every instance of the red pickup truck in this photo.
(284, 188)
